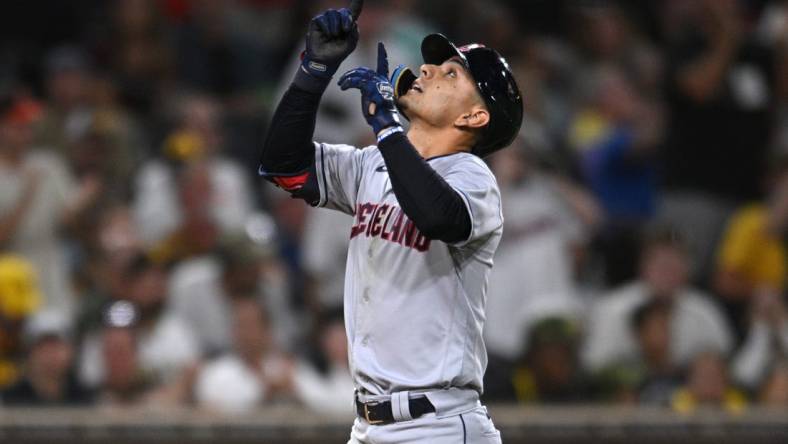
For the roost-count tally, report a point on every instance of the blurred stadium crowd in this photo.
(142, 262)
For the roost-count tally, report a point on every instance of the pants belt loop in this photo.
(400, 406)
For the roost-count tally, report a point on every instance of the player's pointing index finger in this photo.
(355, 8)
(383, 60)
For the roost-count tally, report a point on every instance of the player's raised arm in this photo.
(288, 153)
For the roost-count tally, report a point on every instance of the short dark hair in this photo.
(663, 235)
(644, 311)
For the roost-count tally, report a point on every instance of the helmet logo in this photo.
(470, 46)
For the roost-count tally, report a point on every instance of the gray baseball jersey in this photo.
(414, 307)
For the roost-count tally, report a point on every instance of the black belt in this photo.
(379, 413)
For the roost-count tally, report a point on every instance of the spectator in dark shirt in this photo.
(48, 378)
(720, 90)
(651, 323)
(549, 370)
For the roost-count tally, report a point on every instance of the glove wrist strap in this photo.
(316, 68)
(310, 83)
(389, 131)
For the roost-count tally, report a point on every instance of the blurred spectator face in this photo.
(148, 288)
(16, 127)
(68, 79)
(104, 92)
(242, 278)
(775, 390)
(117, 244)
(654, 336)
(134, 16)
(616, 96)
(553, 364)
(708, 380)
(552, 354)
(200, 115)
(15, 137)
(138, 53)
(334, 343)
(50, 358)
(117, 234)
(91, 154)
(665, 269)
(68, 88)
(605, 32)
(252, 336)
(120, 358)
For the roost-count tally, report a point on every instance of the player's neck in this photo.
(431, 141)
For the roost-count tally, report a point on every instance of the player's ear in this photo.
(476, 117)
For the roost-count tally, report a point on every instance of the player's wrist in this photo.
(310, 83)
(384, 119)
(388, 131)
(319, 69)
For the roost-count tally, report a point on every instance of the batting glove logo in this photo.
(317, 66)
(386, 91)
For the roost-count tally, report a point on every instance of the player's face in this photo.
(441, 94)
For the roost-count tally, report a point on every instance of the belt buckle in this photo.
(366, 415)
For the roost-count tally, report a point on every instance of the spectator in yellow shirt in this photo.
(19, 298)
(753, 256)
(708, 386)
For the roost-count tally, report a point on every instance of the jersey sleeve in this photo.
(477, 187)
(339, 169)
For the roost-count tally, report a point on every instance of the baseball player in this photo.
(427, 222)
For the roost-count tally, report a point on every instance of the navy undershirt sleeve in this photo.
(288, 148)
(429, 201)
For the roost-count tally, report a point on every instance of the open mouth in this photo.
(416, 87)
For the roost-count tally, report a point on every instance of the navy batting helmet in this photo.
(495, 82)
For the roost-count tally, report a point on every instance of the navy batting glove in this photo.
(377, 94)
(331, 37)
